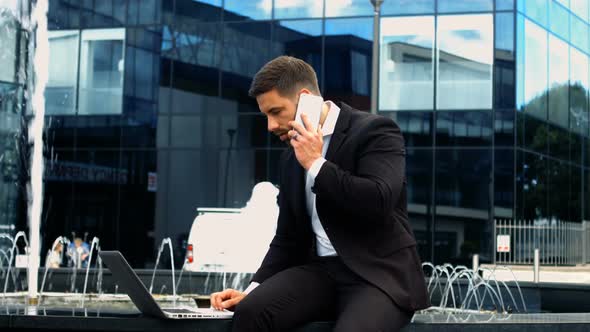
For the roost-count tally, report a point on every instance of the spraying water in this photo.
(40, 49)
(166, 241)
(94, 244)
(19, 235)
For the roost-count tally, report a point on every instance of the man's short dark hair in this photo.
(286, 74)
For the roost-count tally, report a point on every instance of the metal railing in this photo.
(559, 242)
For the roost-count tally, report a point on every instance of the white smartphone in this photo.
(311, 105)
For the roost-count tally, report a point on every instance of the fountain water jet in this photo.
(166, 241)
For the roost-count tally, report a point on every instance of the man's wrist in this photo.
(314, 169)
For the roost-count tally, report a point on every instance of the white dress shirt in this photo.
(323, 244)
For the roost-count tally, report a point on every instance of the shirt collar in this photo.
(330, 122)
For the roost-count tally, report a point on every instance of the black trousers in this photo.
(324, 289)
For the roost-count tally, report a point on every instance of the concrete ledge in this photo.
(138, 323)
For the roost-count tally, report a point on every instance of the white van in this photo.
(234, 240)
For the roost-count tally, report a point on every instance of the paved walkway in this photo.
(579, 274)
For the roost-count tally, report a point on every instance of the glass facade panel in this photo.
(535, 71)
(504, 127)
(60, 93)
(504, 4)
(419, 189)
(415, 126)
(465, 53)
(580, 8)
(297, 9)
(301, 39)
(532, 183)
(454, 6)
(536, 10)
(191, 11)
(8, 45)
(342, 8)
(406, 71)
(579, 33)
(462, 203)
(347, 60)
(559, 20)
(503, 183)
(558, 81)
(238, 10)
(405, 7)
(464, 129)
(578, 92)
(504, 64)
(101, 71)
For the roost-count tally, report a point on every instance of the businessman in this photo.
(343, 247)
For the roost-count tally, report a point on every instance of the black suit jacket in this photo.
(361, 201)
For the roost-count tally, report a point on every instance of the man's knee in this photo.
(251, 315)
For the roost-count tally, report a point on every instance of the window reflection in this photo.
(575, 194)
(406, 68)
(407, 7)
(532, 182)
(465, 57)
(419, 175)
(101, 71)
(192, 11)
(463, 202)
(348, 56)
(347, 7)
(504, 125)
(301, 39)
(238, 10)
(60, 93)
(453, 6)
(535, 71)
(558, 180)
(504, 4)
(245, 48)
(580, 8)
(298, 9)
(197, 44)
(535, 9)
(415, 126)
(463, 179)
(463, 128)
(503, 183)
(578, 92)
(558, 81)
(559, 20)
(579, 33)
(504, 66)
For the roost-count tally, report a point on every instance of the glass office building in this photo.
(148, 116)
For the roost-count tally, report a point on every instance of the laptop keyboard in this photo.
(180, 311)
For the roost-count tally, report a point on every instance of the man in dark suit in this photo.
(343, 248)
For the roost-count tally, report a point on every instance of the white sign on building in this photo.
(503, 243)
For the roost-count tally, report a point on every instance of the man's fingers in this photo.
(297, 127)
(217, 298)
(306, 122)
(230, 303)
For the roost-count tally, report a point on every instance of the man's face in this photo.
(279, 111)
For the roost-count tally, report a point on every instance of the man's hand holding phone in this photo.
(306, 142)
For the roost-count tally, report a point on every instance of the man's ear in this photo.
(304, 90)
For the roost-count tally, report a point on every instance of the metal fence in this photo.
(559, 242)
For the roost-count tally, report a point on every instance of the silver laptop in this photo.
(142, 298)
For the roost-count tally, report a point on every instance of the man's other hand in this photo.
(226, 299)
(306, 143)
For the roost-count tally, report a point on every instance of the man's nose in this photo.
(272, 125)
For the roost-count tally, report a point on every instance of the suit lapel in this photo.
(298, 184)
(340, 129)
